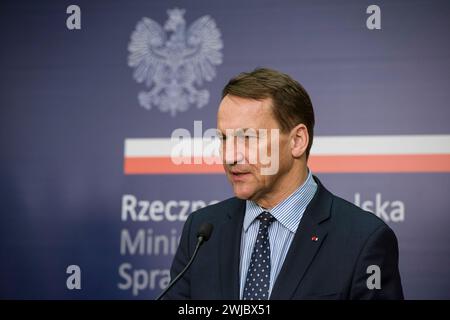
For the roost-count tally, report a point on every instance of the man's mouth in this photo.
(237, 176)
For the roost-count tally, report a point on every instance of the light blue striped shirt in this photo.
(288, 214)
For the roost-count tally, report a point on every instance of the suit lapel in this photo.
(229, 254)
(310, 234)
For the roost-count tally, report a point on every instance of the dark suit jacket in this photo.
(333, 267)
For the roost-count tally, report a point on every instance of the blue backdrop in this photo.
(69, 104)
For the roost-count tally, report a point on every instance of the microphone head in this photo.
(205, 231)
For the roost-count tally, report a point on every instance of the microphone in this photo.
(203, 235)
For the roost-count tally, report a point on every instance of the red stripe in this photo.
(165, 165)
(381, 163)
(318, 164)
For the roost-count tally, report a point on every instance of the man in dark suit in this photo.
(284, 235)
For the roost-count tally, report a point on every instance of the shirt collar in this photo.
(283, 212)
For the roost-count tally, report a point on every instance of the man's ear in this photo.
(299, 140)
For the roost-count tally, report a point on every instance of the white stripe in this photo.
(382, 145)
(147, 147)
(164, 147)
(323, 145)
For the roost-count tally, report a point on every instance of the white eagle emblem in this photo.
(172, 67)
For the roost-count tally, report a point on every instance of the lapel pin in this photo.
(314, 238)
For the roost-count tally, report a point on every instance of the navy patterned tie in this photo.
(258, 274)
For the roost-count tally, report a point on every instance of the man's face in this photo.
(239, 121)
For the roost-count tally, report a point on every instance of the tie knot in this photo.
(265, 218)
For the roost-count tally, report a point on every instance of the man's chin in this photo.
(242, 193)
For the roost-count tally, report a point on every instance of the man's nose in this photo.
(233, 154)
